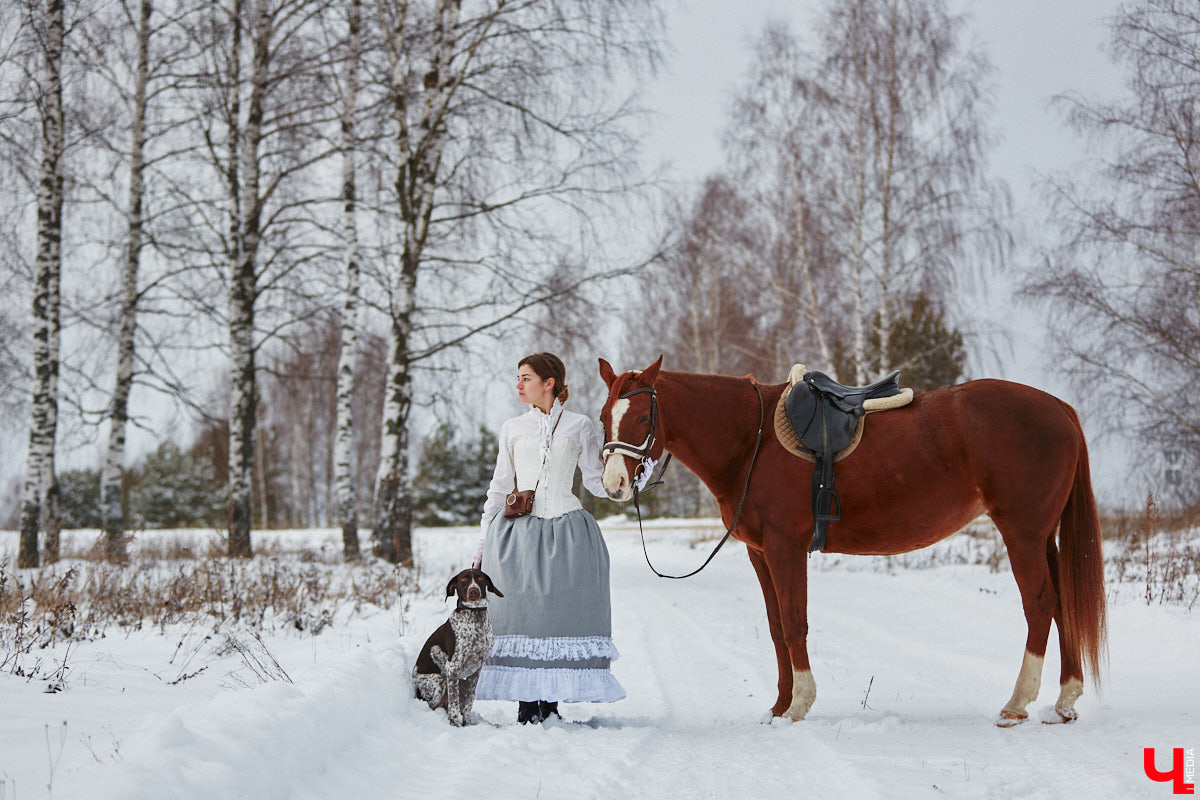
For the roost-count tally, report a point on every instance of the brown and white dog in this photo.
(447, 667)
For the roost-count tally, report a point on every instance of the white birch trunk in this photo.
(343, 446)
(859, 265)
(112, 513)
(299, 512)
(39, 498)
(391, 534)
(812, 303)
(416, 182)
(51, 511)
(888, 237)
(242, 290)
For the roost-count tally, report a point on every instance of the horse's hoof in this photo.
(1010, 719)
(1060, 716)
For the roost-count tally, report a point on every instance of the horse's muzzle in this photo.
(617, 486)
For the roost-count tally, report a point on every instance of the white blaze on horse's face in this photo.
(616, 479)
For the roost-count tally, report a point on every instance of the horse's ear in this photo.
(606, 372)
(650, 374)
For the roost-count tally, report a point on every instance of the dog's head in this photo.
(472, 587)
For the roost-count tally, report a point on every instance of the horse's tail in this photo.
(1081, 568)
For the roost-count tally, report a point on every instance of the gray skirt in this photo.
(553, 627)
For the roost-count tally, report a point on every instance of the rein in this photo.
(644, 451)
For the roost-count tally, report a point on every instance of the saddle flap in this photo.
(801, 408)
(810, 421)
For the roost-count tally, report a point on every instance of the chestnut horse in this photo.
(919, 474)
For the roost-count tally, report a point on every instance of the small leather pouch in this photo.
(518, 504)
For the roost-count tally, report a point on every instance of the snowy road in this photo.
(911, 668)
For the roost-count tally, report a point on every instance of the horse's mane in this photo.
(691, 378)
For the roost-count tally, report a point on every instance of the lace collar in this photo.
(545, 424)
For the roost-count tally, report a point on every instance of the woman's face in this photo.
(532, 389)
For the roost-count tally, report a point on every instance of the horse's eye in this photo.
(645, 418)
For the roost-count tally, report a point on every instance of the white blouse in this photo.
(525, 442)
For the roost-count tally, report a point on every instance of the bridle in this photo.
(642, 452)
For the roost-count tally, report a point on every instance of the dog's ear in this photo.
(491, 586)
(450, 587)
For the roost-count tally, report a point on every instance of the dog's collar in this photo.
(463, 607)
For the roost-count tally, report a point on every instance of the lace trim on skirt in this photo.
(561, 648)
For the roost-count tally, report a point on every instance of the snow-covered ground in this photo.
(912, 665)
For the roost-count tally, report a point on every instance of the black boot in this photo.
(529, 711)
(546, 708)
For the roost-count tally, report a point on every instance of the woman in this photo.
(553, 628)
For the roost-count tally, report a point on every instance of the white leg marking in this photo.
(1028, 682)
(1067, 695)
(804, 692)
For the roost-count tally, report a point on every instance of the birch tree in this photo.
(418, 155)
(777, 151)
(262, 106)
(904, 95)
(1123, 282)
(863, 157)
(243, 140)
(39, 500)
(498, 158)
(112, 513)
(347, 507)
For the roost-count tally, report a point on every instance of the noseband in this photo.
(641, 475)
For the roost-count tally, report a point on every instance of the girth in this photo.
(825, 415)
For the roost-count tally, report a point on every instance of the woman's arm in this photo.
(590, 464)
(504, 480)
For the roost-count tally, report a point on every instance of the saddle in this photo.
(826, 417)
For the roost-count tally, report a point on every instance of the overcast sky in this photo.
(1039, 48)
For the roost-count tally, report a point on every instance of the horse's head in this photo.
(632, 432)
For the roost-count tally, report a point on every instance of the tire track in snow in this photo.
(955, 654)
(712, 663)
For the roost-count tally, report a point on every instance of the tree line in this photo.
(347, 202)
(228, 177)
(855, 202)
